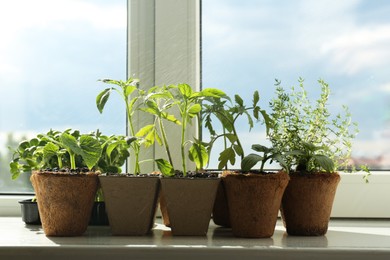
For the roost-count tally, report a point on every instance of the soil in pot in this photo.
(189, 203)
(254, 201)
(65, 201)
(307, 203)
(131, 203)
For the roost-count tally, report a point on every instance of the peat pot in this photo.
(254, 200)
(64, 201)
(189, 203)
(131, 202)
(307, 203)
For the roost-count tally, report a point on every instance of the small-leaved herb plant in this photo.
(180, 105)
(312, 139)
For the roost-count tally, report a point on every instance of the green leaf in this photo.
(170, 118)
(70, 143)
(185, 90)
(165, 167)
(198, 154)
(128, 90)
(150, 138)
(239, 100)
(311, 147)
(145, 130)
(281, 160)
(194, 110)
(256, 98)
(14, 168)
(228, 155)
(90, 150)
(267, 120)
(238, 149)
(111, 147)
(102, 98)
(50, 150)
(261, 148)
(249, 161)
(324, 162)
(232, 137)
(212, 92)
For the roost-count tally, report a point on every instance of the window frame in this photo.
(150, 53)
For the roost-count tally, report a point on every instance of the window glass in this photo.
(246, 45)
(52, 54)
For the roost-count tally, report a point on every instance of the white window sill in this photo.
(352, 239)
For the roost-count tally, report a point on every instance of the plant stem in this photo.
(59, 159)
(183, 159)
(72, 160)
(165, 140)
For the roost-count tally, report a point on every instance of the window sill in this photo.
(352, 239)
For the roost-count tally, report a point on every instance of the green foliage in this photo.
(311, 138)
(182, 106)
(130, 93)
(227, 113)
(249, 161)
(70, 149)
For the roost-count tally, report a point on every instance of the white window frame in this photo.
(164, 48)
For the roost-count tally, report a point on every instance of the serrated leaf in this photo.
(228, 155)
(250, 120)
(231, 137)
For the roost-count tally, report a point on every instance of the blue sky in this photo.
(52, 54)
(247, 44)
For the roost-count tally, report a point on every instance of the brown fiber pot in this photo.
(254, 201)
(131, 203)
(307, 203)
(64, 201)
(189, 202)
